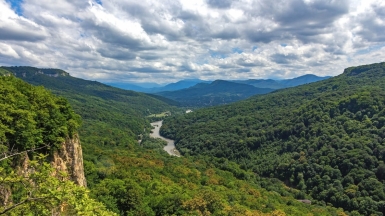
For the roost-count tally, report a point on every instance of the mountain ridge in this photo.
(216, 93)
(324, 138)
(259, 83)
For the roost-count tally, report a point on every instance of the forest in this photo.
(123, 177)
(33, 123)
(325, 139)
(212, 94)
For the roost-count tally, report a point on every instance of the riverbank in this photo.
(170, 147)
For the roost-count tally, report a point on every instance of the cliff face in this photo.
(69, 158)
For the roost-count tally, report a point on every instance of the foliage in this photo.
(32, 117)
(147, 181)
(4, 72)
(326, 138)
(42, 191)
(132, 179)
(111, 116)
(32, 120)
(215, 93)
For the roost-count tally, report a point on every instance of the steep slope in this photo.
(34, 123)
(324, 138)
(104, 109)
(215, 93)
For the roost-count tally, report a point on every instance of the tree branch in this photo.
(21, 203)
(18, 153)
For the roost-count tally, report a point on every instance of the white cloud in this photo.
(8, 52)
(164, 41)
(16, 28)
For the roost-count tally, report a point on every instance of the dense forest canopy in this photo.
(215, 93)
(133, 179)
(32, 117)
(113, 116)
(325, 139)
(34, 122)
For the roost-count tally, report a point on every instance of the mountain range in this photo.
(211, 94)
(223, 92)
(259, 83)
(285, 83)
(169, 87)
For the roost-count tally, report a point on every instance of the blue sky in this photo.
(16, 6)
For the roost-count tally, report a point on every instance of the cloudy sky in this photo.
(168, 40)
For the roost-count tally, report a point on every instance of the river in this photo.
(170, 147)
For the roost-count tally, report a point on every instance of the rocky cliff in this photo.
(69, 158)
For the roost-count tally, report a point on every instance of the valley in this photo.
(170, 147)
(325, 138)
(201, 93)
(320, 142)
(192, 108)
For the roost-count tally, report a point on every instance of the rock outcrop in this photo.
(69, 158)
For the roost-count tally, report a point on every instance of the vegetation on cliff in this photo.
(33, 122)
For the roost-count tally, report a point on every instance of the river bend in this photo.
(170, 147)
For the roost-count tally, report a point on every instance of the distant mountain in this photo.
(215, 93)
(279, 84)
(128, 86)
(308, 78)
(183, 84)
(179, 85)
(149, 87)
(262, 83)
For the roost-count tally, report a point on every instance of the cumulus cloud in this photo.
(164, 41)
(16, 28)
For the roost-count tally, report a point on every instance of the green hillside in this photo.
(324, 138)
(4, 72)
(215, 93)
(35, 122)
(131, 179)
(113, 116)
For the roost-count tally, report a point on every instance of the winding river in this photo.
(170, 147)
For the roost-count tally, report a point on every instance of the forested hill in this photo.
(127, 177)
(305, 79)
(279, 84)
(215, 93)
(34, 122)
(114, 116)
(324, 138)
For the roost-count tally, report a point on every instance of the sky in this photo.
(168, 40)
